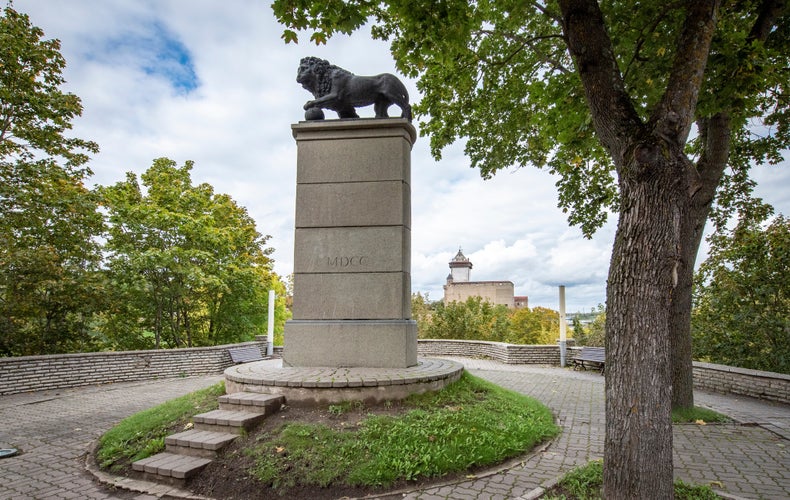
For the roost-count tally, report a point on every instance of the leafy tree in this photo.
(421, 312)
(606, 96)
(593, 334)
(473, 319)
(538, 325)
(188, 265)
(742, 313)
(49, 283)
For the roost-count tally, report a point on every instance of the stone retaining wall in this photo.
(499, 351)
(60, 371)
(707, 376)
(34, 373)
(742, 381)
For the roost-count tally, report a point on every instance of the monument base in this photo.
(350, 343)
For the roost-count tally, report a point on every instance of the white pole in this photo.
(562, 326)
(270, 332)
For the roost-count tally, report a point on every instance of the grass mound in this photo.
(471, 423)
(143, 434)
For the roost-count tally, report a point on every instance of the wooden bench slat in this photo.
(245, 354)
(593, 355)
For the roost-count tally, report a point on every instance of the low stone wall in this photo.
(742, 381)
(499, 351)
(61, 371)
(710, 377)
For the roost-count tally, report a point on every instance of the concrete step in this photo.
(198, 443)
(234, 422)
(170, 465)
(251, 401)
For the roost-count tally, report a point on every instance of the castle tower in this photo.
(460, 267)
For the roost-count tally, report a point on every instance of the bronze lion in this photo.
(342, 91)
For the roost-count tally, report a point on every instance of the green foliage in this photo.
(474, 319)
(35, 113)
(697, 415)
(538, 325)
(742, 306)
(422, 312)
(478, 319)
(594, 333)
(186, 264)
(143, 434)
(49, 259)
(586, 483)
(470, 423)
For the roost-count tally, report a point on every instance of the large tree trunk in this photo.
(642, 280)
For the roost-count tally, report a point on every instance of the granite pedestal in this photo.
(352, 282)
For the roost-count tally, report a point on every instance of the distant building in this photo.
(521, 301)
(459, 287)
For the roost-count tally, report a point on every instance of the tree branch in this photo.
(613, 114)
(715, 133)
(673, 117)
(770, 11)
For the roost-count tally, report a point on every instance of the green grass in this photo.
(143, 434)
(468, 424)
(586, 483)
(697, 415)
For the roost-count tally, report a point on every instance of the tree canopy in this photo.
(49, 282)
(187, 266)
(742, 307)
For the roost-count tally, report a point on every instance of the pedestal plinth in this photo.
(352, 281)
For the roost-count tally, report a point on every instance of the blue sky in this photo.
(213, 82)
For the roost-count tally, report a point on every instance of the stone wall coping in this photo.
(741, 371)
(142, 352)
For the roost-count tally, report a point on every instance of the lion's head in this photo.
(315, 75)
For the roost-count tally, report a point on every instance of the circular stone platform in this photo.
(323, 385)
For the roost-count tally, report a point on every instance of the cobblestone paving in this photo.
(54, 429)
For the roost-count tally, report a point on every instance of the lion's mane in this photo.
(323, 70)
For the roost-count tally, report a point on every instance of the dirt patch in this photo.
(227, 477)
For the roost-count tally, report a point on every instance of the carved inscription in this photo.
(346, 261)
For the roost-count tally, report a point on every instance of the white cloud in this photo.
(236, 125)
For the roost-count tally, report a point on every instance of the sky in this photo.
(213, 82)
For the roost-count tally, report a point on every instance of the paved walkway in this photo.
(54, 429)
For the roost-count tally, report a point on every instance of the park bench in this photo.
(594, 357)
(245, 354)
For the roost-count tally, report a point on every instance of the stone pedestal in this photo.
(352, 282)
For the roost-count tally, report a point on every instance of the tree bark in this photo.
(716, 135)
(638, 443)
(657, 184)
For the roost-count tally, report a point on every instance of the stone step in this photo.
(170, 465)
(234, 422)
(251, 401)
(198, 443)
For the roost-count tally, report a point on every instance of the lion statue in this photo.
(341, 91)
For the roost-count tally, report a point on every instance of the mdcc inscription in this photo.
(347, 261)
